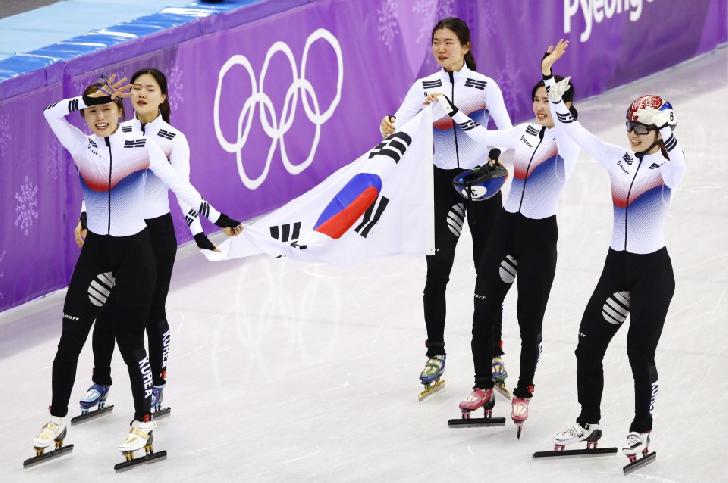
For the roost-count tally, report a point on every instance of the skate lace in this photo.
(574, 432)
(433, 365)
(633, 438)
(49, 430)
(476, 396)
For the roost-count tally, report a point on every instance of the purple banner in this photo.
(272, 104)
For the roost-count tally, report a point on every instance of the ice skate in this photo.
(54, 431)
(431, 374)
(479, 398)
(519, 413)
(157, 397)
(637, 450)
(499, 375)
(140, 437)
(575, 433)
(93, 404)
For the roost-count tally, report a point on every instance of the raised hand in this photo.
(554, 54)
(557, 91)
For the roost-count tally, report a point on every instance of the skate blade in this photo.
(162, 413)
(643, 461)
(475, 422)
(501, 389)
(576, 452)
(82, 418)
(518, 430)
(149, 458)
(432, 389)
(48, 456)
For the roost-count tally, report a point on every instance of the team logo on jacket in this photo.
(475, 83)
(275, 121)
(135, 143)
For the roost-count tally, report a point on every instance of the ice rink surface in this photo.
(286, 371)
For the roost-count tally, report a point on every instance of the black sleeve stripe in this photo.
(670, 143)
(51, 106)
(565, 118)
(205, 209)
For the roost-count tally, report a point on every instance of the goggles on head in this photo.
(638, 127)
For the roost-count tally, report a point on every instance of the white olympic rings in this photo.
(272, 128)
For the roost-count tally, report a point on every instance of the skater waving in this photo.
(522, 248)
(637, 279)
(481, 98)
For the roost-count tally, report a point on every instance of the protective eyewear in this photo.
(638, 127)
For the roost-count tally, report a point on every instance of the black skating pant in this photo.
(641, 286)
(131, 261)
(164, 246)
(450, 215)
(523, 250)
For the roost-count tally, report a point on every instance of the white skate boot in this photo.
(140, 436)
(54, 431)
(591, 433)
(575, 433)
(637, 449)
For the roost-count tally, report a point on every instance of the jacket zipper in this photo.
(626, 206)
(528, 168)
(454, 126)
(111, 164)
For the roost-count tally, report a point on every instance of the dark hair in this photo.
(161, 79)
(91, 88)
(568, 96)
(461, 29)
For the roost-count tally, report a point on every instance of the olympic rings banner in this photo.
(273, 102)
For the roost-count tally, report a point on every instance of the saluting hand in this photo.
(112, 87)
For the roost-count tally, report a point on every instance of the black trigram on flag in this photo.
(288, 233)
(372, 216)
(393, 146)
(126, 129)
(531, 130)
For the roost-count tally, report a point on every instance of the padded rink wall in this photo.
(274, 96)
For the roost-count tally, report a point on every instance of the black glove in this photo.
(494, 154)
(204, 243)
(226, 222)
(84, 220)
